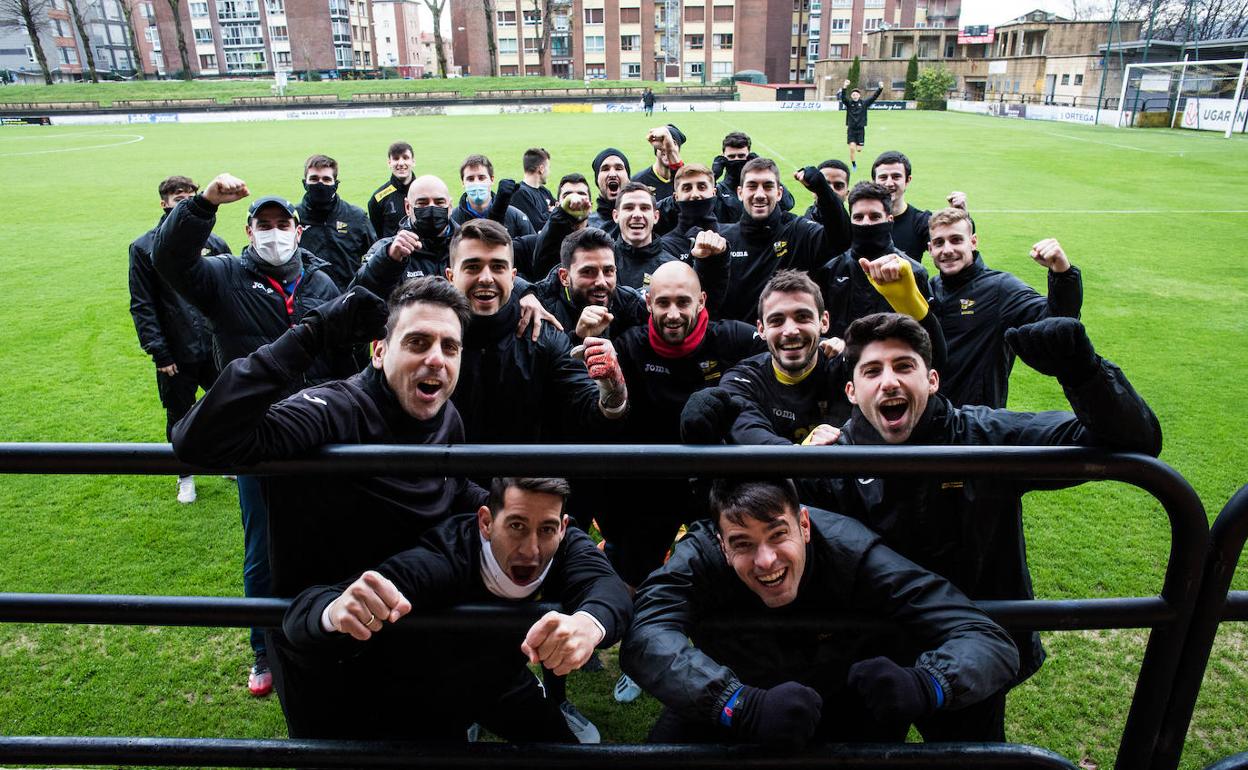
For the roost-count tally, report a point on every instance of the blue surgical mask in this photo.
(477, 194)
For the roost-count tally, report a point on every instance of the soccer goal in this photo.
(1202, 95)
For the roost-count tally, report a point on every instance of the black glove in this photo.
(1058, 347)
(893, 693)
(814, 180)
(507, 188)
(717, 167)
(784, 715)
(707, 416)
(354, 318)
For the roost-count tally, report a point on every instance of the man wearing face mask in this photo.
(735, 152)
(764, 553)
(970, 529)
(848, 293)
(251, 300)
(479, 201)
(420, 246)
(333, 229)
(611, 172)
(767, 239)
(385, 208)
(516, 548)
(171, 330)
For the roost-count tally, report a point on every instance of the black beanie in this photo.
(677, 136)
(602, 156)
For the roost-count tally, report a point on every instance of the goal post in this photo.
(1206, 95)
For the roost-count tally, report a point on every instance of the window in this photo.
(693, 69)
(816, 6)
(1079, 79)
(925, 49)
(1066, 79)
(632, 70)
(238, 9)
(873, 3)
(275, 7)
(721, 69)
(722, 13)
(722, 42)
(149, 12)
(342, 56)
(694, 42)
(207, 61)
(836, 52)
(58, 28)
(279, 33)
(951, 48)
(283, 57)
(630, 42)
(840, 25)
(594, 16)
(531, 44)
(199, 10)
(595, 71)
(899, 49)
(203, 36)
(509, 70)
(30, 53)
(559, 46)
(153, 36)
(793, 52)
(68, 55)
(595, 44)
(794, 31)
(695, 13)
(338, 7)
(812, 49)
(242, 34)
(155, 57)
(871, 23)
(506, 18)
(507, 45)
(532, 18)
(815, 32)
(630, 16)
(842, 3)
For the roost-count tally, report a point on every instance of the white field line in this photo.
(128, 139)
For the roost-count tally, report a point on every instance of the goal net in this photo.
(1202, 95)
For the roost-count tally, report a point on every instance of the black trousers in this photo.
(177, 392)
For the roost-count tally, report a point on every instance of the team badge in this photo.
(967, 306)
(342, 227)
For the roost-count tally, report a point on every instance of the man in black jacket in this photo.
(856, 118)
(764, 553)
(516, 549)
(333, 229)
(583, 293)
(891, 170)
(976, 305)
(170, 329)
(421, 245)
(767, 239)
(970, 529)
(726, 171)
(385, 208)
(611, 172)
(479, 202)
(532, 197)
(251, 300)
(401, 398)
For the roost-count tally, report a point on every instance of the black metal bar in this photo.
(1236, 606)
(209, 611)
(1226, 542)
(1233, 762)
(217, 752)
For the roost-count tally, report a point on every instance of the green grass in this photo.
(224, 90)
(1165, 299)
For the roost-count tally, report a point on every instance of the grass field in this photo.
(1157, 220)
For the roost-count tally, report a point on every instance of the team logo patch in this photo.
(261, 287)
(967, 306)
(781, 248)
(383, 192)
(204, 252)
(645, 279)
(951, 484)
(342, 227)
(655, 369)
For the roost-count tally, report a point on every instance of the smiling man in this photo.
(891, 170)
(417, 685)
(385, 207)
(970, 529)
(584, 295)
(611, 172)
(764, 553)
(400, 398)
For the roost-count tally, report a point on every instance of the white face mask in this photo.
(498, 582)
(275, 246)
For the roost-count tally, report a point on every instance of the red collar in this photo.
(668, 350)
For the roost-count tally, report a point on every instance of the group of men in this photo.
(684, 303)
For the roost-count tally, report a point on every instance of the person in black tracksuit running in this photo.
(856, 118)
(385, 207)
(970, 529)
(400, 398)
(170, 329)
(976, 305)
(250, 300)
(789, 686)
(767, 239)
(333, 229)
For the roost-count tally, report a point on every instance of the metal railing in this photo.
(1168, 615)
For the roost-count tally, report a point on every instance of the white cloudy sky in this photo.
(994, 12)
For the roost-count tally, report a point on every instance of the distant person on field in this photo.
(479, 201)
(532, 197)
(856, 118)
(171, 330)
(647, 101)
(251, 300)
(385, 208)
(891, 170)
(333, 229)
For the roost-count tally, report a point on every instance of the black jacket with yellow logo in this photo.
(385, 207)
(340, 235)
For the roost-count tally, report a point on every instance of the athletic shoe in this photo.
(260, 680)
(186, 489)
(626, 690)
(855, 165)
(581, 727)
(474, 733)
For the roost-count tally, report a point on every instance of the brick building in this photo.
(108, 35)
(404, 35)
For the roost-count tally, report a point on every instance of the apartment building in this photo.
(242, 37)
(108, 36)
(839, 29)
(405, 41)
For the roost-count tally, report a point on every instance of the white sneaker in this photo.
(186, 489)
(581, 727)
(626, 690)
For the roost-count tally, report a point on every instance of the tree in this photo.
(1209, 19)
(86, 41)
(436, 7)
(541, 27)
(933, 87)
(31, 17)
(912, 74)
(855, 72)
(176, 7)
(127, 11)
(491, 44)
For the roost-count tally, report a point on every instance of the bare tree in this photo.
(30, 16)
(127, 11)
(76, 12)
(176, 7)
(435, 7)
(541, 28)
(491, 44)
(1189, 19)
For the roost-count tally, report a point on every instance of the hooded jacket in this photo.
(339, 234)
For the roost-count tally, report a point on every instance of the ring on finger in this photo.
(372, 616)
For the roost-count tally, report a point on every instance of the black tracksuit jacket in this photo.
(246, 311)
(848, 569)
(381, 275)
(848, 295)
(170, 329)
(385, 207)
(340, 235)
(975, 308)
(534, 203)
(601, 217)
(856, 112)
(247, 417)
(970, 529)
(627, 307)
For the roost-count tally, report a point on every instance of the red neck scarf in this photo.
(668, 350)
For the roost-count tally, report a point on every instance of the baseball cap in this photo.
(273, 200)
